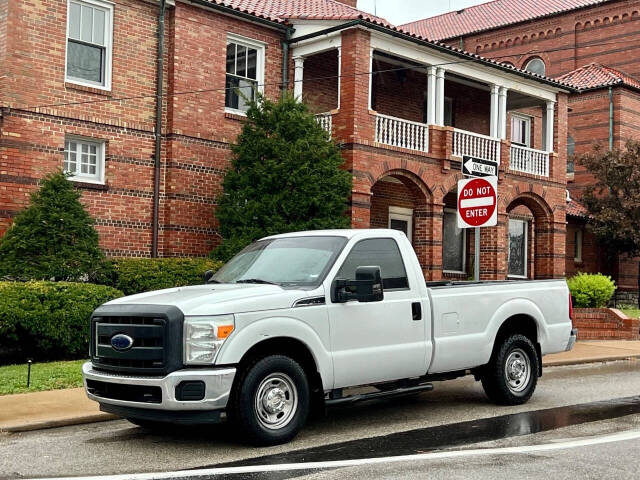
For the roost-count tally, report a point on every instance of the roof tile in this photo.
(576, 209)
(490, 15)
(595, 75)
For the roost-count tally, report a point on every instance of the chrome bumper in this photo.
(572, 339)
(217, 382)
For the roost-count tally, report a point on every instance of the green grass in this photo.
(44, 376)
(632, 312)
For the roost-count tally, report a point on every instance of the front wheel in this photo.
(511, 376)
(270, 401)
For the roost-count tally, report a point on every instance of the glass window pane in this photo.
(241, 61)
(87, 24)
(84, 62)
(231, 94)
(74, 21)
(452, 244)
(401, 225)
(98, 26)
(252, 63)
(517, 247)
(246, 92)
(382, 252)
(231, 58)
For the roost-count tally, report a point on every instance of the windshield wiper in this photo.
(256, 280)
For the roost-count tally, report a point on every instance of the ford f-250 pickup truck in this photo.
(294, 320)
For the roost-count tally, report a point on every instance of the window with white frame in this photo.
(577, 242)
(401, 219)
(84, 159)
(89, 40)
(453, 243)
(521, 130)
(518, 248)
(245, 72)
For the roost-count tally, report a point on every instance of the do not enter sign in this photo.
(477, 201)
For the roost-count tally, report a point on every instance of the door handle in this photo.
(416, 311)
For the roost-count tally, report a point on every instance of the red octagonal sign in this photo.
(477, 200)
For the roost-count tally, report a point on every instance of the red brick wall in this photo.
(605, 324)
(320, 81)
(398, 93)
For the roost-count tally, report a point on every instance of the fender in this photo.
(249, 335)
(516, 306)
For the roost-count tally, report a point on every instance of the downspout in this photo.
(158, 131)
(610, 118)
(285, 60)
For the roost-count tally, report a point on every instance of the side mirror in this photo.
(367, 287)
(207, 275)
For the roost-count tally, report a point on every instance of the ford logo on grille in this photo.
(121, 342)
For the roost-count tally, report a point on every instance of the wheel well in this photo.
(289, 347)
(523, 325)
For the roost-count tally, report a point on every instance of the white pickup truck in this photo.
(293, 321)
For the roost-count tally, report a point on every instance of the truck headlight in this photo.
(204, 336)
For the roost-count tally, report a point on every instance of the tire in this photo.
(270, 401)
(511, 375)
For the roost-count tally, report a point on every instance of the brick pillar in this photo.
(360, 210)
(353, 123)
(434, 268)
(423, 238)
(493, 249)
(558, 164)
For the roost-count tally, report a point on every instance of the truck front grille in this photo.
(119, 391)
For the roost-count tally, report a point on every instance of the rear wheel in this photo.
(270, 401)
(511, 376)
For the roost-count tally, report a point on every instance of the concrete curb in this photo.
(610, 358)
(62, 422)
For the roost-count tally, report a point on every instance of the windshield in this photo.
(293, 261)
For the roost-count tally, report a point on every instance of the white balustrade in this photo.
(475, 145)
(529, 160)
(325, 120)
(398, 132)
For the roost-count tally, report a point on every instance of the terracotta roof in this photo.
(594, 76)
(490, 15)
(576, 209)
(282, 10)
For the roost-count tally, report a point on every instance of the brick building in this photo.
(591, 44)
(79, 90)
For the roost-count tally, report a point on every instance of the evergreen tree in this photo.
(53, 238)
(285, 176)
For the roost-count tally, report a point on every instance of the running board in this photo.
(377, 395)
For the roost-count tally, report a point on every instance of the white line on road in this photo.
(207, 472)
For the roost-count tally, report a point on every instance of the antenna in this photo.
(375, 7)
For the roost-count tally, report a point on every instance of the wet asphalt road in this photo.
(602, 399)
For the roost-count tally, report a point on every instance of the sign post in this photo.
(477, 207)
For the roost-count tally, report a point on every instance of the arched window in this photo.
(536, 65)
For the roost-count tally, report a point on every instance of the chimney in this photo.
(351, 3)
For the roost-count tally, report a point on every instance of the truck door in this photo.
(377, 341)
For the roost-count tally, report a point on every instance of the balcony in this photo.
(528, 160)
(401, 133)
(475, 145)
(325, 120)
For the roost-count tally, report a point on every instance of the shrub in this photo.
(136, 275)
(53, 238)
(49, 320)
(591, 290)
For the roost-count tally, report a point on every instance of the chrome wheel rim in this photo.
(276, 401)
(517, 370)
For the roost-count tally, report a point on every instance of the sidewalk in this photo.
(57, 408)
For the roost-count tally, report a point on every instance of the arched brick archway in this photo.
(400, 199)
(531, 213)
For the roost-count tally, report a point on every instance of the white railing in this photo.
(398, 132)
(528, 160)
(475, 145)
(325, 120)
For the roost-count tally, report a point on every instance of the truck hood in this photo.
(217, 299)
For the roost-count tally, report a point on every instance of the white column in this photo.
(298, 73)
(502, 130)
(370, 76)
(431, 96)
(440, 96)
(548, 127)
(339, 74)
(493, 120)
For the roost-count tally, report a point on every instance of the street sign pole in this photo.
(476, 258)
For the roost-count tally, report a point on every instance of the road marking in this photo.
(207, 472)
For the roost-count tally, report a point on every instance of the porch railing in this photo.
(398, 132)
(475, 145)
(529, 160)
(325, 120)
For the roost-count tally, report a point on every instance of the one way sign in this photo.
(478, 167)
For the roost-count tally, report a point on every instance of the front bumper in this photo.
(572, 339)
(217, 383)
